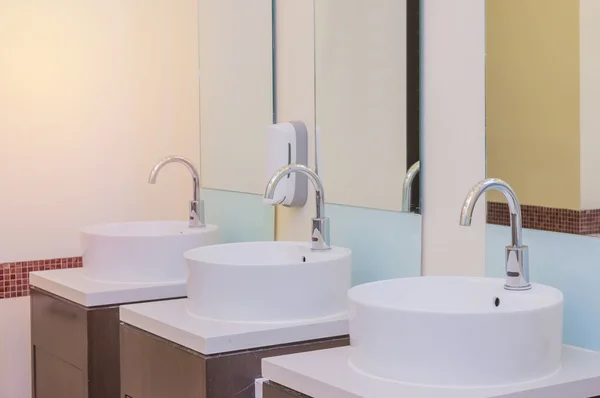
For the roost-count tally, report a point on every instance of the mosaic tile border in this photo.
(579, 222)
(14, 277)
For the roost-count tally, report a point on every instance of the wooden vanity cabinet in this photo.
(74, 349)
(81, 352)
(274, 390)
(153, 367)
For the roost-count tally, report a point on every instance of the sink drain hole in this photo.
(497, 302)
(303, 259)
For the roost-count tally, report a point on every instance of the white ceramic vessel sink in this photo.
(145, 252)
(455, 331)
(268, 282)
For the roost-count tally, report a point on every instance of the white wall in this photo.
(589, 103)
(361, 100)
(92, 94)
(15, 348)
(236, 92)
(453, 129)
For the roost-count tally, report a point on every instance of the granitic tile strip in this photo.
(580, 222)
(14, 277)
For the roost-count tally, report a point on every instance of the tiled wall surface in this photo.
(580, 222)
(14, 277)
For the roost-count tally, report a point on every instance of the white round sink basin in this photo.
(145, 252)
(267, 282)
(455, 331)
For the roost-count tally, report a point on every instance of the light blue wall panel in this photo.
(241, 217)
(570, 263)
(384, 244)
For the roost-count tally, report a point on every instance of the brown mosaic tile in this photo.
(584, 222)
(14, 277)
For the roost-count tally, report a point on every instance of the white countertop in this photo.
(172, 321)
(75, 286)
(327, 374)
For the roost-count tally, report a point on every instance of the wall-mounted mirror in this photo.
(367, 123)
(542, 91)
(236, 106)
(367, 102)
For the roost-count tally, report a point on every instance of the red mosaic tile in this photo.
(584, 222)
(14, 277)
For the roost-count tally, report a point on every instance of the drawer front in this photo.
(272, 390)
(154, 368)
(54, 378)
(59, 327)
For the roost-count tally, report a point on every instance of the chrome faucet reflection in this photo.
(320, 224)
(196, 211)
(517, 257)
(407, 186)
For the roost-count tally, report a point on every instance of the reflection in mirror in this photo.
(542, 88)
(236, 105)
(236, 92)
(367, 102)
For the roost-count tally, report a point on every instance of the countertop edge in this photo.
(224, 337)
(128, 293)
(296, 372)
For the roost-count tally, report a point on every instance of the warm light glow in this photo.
(92, 94)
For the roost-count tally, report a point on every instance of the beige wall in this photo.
(92, 94)
(453, 134)
(590, 104)
(361, 100)
(532, 95)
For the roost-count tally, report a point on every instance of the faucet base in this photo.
(197, 214)
(517, 268)
(320, 234)
(517, 289)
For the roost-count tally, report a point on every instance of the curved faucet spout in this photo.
(407, 186)
(513, 206)
(196, 213)
(312, 176)
(516, 255)
(185, 162)
(320, 225)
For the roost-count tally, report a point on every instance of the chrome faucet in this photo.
(196, 211)
(407, 186)
(320, 224)
(517, 256)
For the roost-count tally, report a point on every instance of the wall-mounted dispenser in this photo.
(287, 143)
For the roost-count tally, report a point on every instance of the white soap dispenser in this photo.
(287, 143)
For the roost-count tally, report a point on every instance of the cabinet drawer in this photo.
(54, 378)
(59, 327)
(154, 368)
